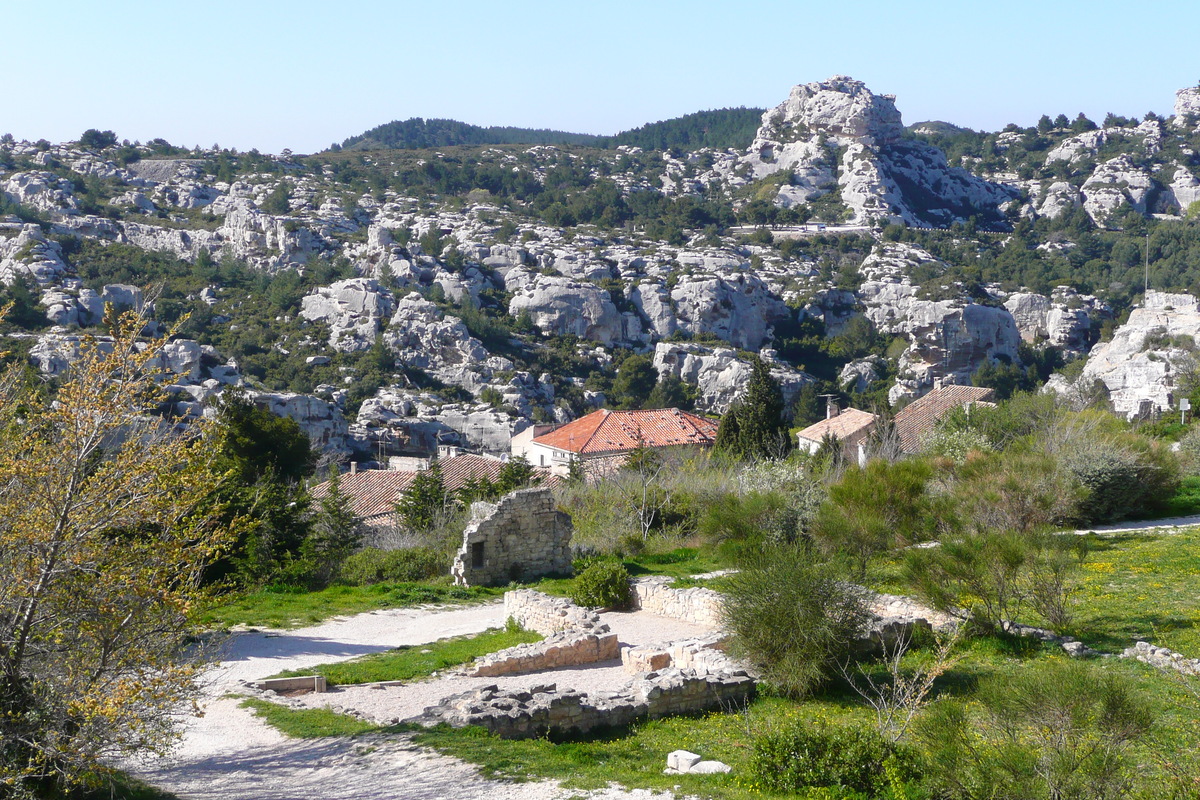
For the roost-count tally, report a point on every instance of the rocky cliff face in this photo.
(1143, 365)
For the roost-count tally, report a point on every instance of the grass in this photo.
(415, 661)
(307, 723)
(1141, 585)
(269, 609)
(117, 785)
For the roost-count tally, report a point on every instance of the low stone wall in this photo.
(546, 711)
(704, 656)
(697, 605)
(1162, 658)
(547, 615)
(565, 649)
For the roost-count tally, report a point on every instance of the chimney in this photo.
(353, 467)
(937, 383)
(831, 408)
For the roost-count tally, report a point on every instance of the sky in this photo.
(300, 75)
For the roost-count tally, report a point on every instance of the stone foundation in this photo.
(546, 711)
(1162, 658)
(521, 537)
(704, 656)
(696, 605)
(565, 649)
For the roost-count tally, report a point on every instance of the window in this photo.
(477, 555)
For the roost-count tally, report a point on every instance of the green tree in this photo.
(636, 379)
(105, 529)
(336, 533)
(671, 392)
(97, 140)
(755, 427)
(423, 503)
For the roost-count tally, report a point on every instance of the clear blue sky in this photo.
(301, 74)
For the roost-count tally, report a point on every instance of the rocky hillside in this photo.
(395, 300)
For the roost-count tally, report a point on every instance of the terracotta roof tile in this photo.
(847, 423)
(374, 492)
(918, 418)
(608, 431)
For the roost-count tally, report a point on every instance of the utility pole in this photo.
(1146, 289)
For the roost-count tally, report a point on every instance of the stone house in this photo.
(605, 434)
(917, 420)
(852, 427)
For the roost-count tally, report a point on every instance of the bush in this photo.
(791, 617)
(1125, 475)
(1058, 729)
(855, 760)
(372, 565)
(602, 584)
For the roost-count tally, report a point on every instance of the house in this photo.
(605, 434)
(850, 426)
(373, 493)
(917, 420)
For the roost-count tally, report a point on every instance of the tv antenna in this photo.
(1146, 287)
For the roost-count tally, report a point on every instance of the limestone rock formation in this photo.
(421, 336)
(561, 306)
(1148, 356)
(738, 308)
(720, 374)
(353, 310)
(881, 176)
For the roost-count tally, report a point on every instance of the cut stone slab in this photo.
(709, 768)
(682, 760)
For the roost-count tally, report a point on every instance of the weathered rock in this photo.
(738, 308)
(563, 306)
(720, 374)
(1116, 182)
(1148, 355)
(523, 536)
(353, 310)
(421, 336)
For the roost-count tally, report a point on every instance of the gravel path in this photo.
(1143, 525)
(230, 754)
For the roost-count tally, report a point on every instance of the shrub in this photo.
(372, 565)
(791, 617)
(803, 756)
(1125, 475)
(992, 575)
(875, 508)
(602, 584)
(1058, 729)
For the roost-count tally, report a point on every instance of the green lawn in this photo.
(1141, 585)
(307, 723)
(266, 609)
(416, 661)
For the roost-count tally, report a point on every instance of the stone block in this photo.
(682, 760)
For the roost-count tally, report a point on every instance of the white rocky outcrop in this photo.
(1114, 183)
(562, 306)
(352, 309)
(421, 336)
(1187, 108)
(30, 255)
(1066, 320)
(738, 308)
(1142, 365)
(720, 375)
(881, 176)
(41, 191)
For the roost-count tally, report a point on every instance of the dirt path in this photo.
(230, 754)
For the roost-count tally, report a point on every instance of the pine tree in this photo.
(424, 501)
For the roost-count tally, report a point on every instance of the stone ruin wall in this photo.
(697, 605)
(523, 536)
(574, 636)
(544, 614)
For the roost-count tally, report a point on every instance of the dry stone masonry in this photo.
(574, 636)
(696, 605)
(521, 537)
(544, 710)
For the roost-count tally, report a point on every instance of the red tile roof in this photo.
(608, 431)
(374, 492)
(918, 418)
(846, 424)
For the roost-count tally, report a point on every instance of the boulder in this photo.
(721, 376)
(563, 306)
(739, 308)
